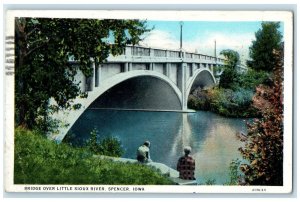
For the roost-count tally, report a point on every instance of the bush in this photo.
(38, 160)
(197, 103)
(109, 146)
(252, 78)
(224, 101)
(228, 79)
(234, 97)
(210, 182)
(236, 176)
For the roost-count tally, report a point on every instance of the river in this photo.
(212, 137)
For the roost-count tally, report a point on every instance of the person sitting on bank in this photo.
(186, 165)
(143, 153)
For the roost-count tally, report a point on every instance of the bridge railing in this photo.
(174, 54)
(197, 56)
(141, 51)
(160, 53)
(188, 55)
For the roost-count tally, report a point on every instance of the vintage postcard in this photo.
(148, 101)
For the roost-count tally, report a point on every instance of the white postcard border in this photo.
(284, 16)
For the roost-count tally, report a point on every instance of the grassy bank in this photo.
(41, 161)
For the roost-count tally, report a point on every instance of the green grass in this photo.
(41, 161)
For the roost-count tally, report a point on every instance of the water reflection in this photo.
(211, 137)
(215, 154)
(183, 137)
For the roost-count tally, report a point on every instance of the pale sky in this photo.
(200, 36)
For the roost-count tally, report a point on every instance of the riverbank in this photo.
(172, 174)
(226, 102)
(41, 161)
(232, 97)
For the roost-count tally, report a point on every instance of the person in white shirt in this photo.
(143, 153)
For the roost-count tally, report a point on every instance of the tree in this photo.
(229, 77)
(43, 50)
(232, 58)
(268, 38)
(264, 145)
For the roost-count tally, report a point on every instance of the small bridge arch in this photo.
(201, 78)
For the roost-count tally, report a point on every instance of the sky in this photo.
(199, 36)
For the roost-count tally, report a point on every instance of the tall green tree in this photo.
(43, 50)
(267, 39)
(229, 77)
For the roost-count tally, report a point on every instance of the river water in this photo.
(212, 137)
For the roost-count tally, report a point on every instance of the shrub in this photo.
(210, 182)
(236, 176)
(224, 101)
(198, 103)
(252, 79)
(229, 78)
(109, 146)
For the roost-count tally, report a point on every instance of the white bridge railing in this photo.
(140, 51)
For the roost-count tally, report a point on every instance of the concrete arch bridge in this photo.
(142, 79)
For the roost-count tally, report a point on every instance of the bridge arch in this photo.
(201, 78)
(70, 117)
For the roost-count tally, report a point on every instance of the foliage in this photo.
(252, 78)
(264, 148)
(249, 81)
(267, 39)
(109, 146)
(210, 182)
(41, 161)
(232, 58)
(229, 77)
(234, 172)
(224, 101)
(43, 50)
(234, 98)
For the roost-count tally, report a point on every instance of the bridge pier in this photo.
(181, 83)
(168, 65)
(92, 81)
(126, 66)
(97, 75)
(129, 66)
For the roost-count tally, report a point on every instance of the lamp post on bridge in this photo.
(216, 60)
(181, 25)
(182, 73)
(216, 49)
